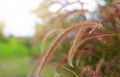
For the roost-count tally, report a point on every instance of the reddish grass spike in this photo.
(52, 47)
(99, 65)
(56, 41)
(42, 49)
(89, 71)
(50, 33)
(47, 36)
(74, 47)
(78, 37)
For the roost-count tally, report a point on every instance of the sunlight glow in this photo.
(18, 21)
(17, 17)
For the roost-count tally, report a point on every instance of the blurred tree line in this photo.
(14, 46)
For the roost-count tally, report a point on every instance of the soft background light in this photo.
(18, 21)
(16, 16)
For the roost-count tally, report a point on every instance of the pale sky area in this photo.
(19, 21)
(17, 18)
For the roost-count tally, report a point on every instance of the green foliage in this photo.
(14, 66)
(14, 47)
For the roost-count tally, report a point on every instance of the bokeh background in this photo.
(17, 28)
(21, 31)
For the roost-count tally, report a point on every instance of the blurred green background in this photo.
(14, 56)
(17, 32)
(18, 54)
(17, 57)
